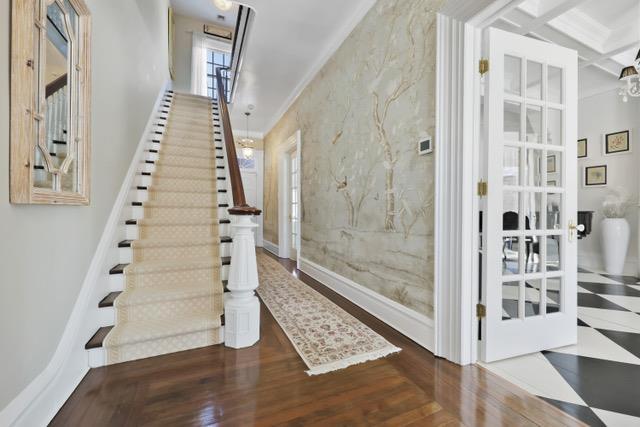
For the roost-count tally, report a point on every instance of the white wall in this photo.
(597, 115)
(45, 250)
(185, 26)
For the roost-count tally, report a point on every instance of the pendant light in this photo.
(246, 143)
(223, 5)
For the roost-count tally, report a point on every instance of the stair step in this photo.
(98, 338)
(144, 187)
(135, 221)
(109, 299)
(220, 205)
(58, 142)
(127, 243)
(119, 268)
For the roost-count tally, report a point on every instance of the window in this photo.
(215, 60)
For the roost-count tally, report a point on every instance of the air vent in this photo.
(218, 32)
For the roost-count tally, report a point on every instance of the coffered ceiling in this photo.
(606, 34)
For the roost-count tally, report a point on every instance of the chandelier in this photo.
(630, 76)
(246, 143)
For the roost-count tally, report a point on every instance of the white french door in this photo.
(529, 235)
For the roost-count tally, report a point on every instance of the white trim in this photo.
(456, 214)
(38, 403)
(271, 247)
(339, 37)
(416, 326)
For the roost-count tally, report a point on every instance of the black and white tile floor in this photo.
(597, 380)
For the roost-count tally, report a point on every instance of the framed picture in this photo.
(617, 143)
(552, 183)
(595, 176)
(582, 148)
(551, 163)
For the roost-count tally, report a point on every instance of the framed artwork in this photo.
(551, 163)
(617, 143)
(582, 148)
(552, 183)
(171, 42)
(595, 176)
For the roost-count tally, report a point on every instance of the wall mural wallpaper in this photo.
(367, 196)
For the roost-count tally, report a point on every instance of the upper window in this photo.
(217, 59)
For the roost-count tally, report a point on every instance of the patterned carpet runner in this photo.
(326, 337)
(173, 294)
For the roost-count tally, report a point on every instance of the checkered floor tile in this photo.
(597, 380)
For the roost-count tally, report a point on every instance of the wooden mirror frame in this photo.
(28, 19)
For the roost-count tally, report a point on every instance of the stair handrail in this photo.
(240, 206)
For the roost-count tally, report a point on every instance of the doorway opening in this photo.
(289, 199)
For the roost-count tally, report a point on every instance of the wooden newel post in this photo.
(241, 305)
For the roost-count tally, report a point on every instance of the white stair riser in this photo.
(137, 212)
(126, 254)
(116, 281)
(143, 195)
(131, 231)
(97, 356)
(147, 167)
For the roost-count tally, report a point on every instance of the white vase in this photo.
(614, 238)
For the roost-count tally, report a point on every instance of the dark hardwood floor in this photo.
(266, 385)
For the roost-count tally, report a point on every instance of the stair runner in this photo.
(173, 293)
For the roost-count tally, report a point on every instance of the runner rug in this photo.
(326, 337)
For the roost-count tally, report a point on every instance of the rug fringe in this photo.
(355, 360)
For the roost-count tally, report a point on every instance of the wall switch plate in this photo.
(425, 145)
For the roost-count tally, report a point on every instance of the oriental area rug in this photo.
(326, 337)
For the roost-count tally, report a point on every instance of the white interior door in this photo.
(294, 208)
(529, 238)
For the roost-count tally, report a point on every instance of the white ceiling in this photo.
(289, 41)
(606, 34)
(205, 11)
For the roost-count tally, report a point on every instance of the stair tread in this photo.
(160, 243)
(148, 330)
(135, 221)
(98, 338)
(159, 266)
(180, 204)
(109, 299)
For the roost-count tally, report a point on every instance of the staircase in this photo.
(168, 288)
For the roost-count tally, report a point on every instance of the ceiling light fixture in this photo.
(246, 144)
(223, 5)
(631, 77)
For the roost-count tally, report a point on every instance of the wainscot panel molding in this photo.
(406, 321)
(38, 403)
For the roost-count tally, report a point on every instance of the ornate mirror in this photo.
(50, 110)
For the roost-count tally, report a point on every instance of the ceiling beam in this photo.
(551, 14)
(497, 10)
(609, 54)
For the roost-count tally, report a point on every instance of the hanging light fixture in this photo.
(223, 5)
(246, 143)
(630, 76)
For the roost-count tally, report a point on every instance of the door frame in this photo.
(294, 142)
(457, 171)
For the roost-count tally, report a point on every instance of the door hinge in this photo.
(483, 66)
(481, 311)
(483, 188)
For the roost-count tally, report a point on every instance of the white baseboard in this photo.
(271, 247)
(595, 263)
(39, 402)
(406, 321)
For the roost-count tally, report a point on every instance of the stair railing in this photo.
(242, 307)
